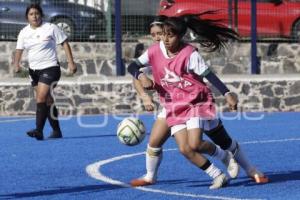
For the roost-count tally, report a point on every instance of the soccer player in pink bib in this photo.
(178, 72)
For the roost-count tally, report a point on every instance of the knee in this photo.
(185, 150)
(154, 142)
(41, 99)
(195, 146)
(234, 147)
(50, 101)
(198, 146)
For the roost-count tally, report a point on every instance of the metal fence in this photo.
(270, 21)
(94, 20)
(81, 20)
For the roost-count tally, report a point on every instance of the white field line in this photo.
(15, 120)
(94, 171)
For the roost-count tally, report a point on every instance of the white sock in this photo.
(240, 157)
(219, 153)
(213, 171)
(153, 161)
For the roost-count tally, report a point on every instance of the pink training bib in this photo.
(184, 95)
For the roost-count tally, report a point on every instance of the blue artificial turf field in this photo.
(90, 162)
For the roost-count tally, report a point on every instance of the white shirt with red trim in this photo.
(40, 44)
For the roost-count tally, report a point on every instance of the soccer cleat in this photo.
(31, 133)
(141, 182)
(231, 164)
(55, 135)
(218, 182)
(258, 177)
(36, 134)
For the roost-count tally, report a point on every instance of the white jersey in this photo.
(196, 63)
(41, 44)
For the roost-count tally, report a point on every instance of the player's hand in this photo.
(72, 69)
(232, 101)
(146, 82)
(148, 103)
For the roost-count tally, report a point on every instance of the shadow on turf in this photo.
(61, 190)
(92, 136)
(278, 177)
(274, 177)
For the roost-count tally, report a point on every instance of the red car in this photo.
(275, 18)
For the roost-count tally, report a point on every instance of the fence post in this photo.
(108, 21)
(254, 60)
(236, 15)
(230, 14)
(118, 38)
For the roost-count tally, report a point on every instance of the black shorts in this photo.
(50, 76)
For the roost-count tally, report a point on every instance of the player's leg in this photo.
(197, 143)
(42, 80)
(215, 130)
(31, 133)
(53, 118)
(51, 76)
(41, 93)
(34, 76)
(182, 140)
(159, 134)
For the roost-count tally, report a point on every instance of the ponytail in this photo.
(213, 34)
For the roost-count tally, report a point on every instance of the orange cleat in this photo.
(140, 182)
(260, 179)
(258, 176)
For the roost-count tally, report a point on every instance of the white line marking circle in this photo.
(93, 170)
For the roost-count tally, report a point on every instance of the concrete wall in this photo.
(100, 95)
(95, 89)
(99, 58)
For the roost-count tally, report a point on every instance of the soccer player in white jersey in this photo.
(40, 40)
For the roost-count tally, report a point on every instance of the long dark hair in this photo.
(214, 34)
(35, 6)
(157, 21)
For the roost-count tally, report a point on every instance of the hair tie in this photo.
(156, 23)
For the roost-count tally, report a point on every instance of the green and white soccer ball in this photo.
(131, 131)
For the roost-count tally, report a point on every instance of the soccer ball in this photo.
(131, 131)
